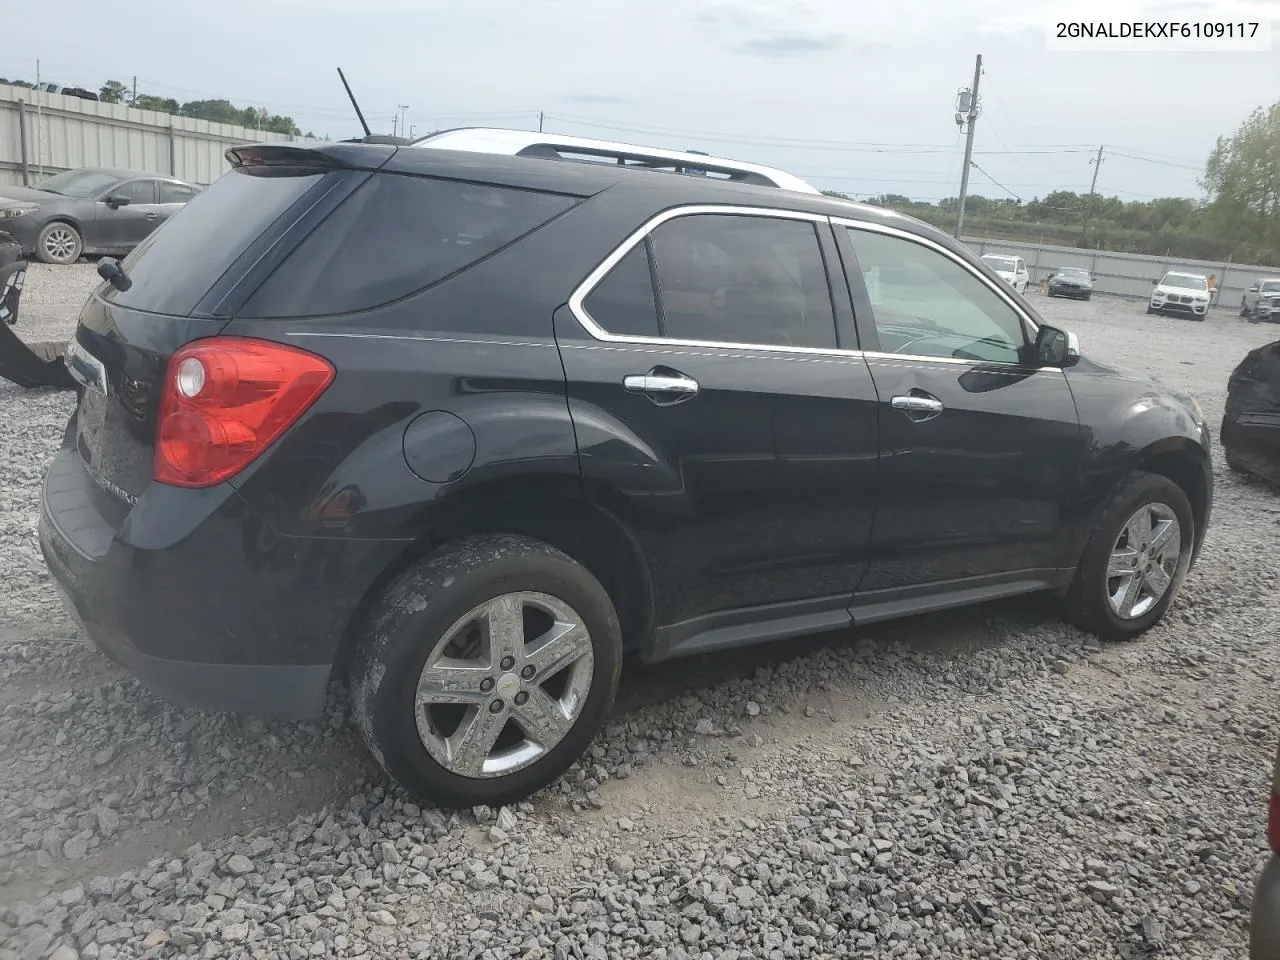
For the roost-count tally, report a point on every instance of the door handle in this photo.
(662, 387)
(152, 216)
(918, 405)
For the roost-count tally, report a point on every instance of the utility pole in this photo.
(1093, 185)
(967, 112)
(134, 99)
(39, 93)
(540, 118)
(404, 126)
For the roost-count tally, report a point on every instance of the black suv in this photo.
(465, 429)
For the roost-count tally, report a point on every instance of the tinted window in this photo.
(175, 192)
(177, 264)
(623, 301)
(743, 279)
(138, 191)
(394, 236)
(928, 305)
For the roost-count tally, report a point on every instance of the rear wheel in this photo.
(485, 671)
(59, 243)
(1244, 308)
(1135, 561)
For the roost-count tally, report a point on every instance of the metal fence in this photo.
(45, 133)
(1125, 274)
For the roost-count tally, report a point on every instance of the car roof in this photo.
(1181, 273)
(661, 190)
(536, 143)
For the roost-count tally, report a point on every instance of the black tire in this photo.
(1086, 603)
(1150, 308)
(1244, 308)
(59, 243)
(1088, 297)
(413, 617)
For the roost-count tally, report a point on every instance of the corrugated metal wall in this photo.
(1125, 274)
(50, 132)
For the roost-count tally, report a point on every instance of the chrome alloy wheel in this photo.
(1143, 561)
(504, 685)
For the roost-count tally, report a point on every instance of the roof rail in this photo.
(551, 146)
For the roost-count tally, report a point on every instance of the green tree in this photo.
(145, 101)
(1242, 179)
(113, 91)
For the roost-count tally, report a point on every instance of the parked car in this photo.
(1186, 293)
(1073, 282)
(92, 210)
(1262, 300)
(1250, 431)
(1012, 270)
(1264, 924)
(466, 428)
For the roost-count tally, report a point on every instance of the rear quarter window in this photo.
(178, 263)
(394, 236)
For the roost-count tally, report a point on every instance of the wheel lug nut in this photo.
(486, 684)
(521, 698)
(508, 663)
(527, 673)
(495, 706)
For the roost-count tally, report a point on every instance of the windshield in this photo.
(1006, 264)
(1184, 282)
(1270, 286)
(79, 183)
(1073, 273)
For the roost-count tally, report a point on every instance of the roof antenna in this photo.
(352, 96)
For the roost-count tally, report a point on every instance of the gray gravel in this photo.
(988, 783)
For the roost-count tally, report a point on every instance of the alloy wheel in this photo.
(504, 685)
(1144, 560)
(60, 244)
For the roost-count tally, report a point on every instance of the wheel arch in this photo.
(66, 218)
(585, 530)
(1187, 465)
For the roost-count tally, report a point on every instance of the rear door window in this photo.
(178, 264)
(624, 303)
(397, 235)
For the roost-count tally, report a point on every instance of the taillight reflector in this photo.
(225, 400)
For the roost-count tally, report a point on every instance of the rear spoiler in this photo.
(290, 158)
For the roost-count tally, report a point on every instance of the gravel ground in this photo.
(988, 783)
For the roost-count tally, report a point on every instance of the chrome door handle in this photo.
(661, 383)
(918, 406)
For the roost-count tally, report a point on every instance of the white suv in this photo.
(1012, 270)
(1181, 293)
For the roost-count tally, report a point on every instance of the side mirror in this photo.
(1253, 289)
(114, 201)
(1056, 348)
(1154, 282)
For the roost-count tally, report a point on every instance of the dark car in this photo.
(465, 429)
(1264, 924)
(90, 211)
(1073, 282)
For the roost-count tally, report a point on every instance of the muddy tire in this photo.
(485, 670)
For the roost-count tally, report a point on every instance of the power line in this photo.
(997, 183)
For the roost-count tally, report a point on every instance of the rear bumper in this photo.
(197, 598)
(1264, 926)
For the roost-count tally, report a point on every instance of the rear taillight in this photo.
(225, 400)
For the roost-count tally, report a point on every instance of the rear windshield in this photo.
(394, 236)
(178, 263)
(1001, 263)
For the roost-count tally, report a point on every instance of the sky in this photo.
(853, 95)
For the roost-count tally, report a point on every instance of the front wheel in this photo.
(1135, 561)
(1150, 308)
(485, 670)
(1244, 308)
(59, 243)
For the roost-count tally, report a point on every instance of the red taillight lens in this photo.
(225, 400)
